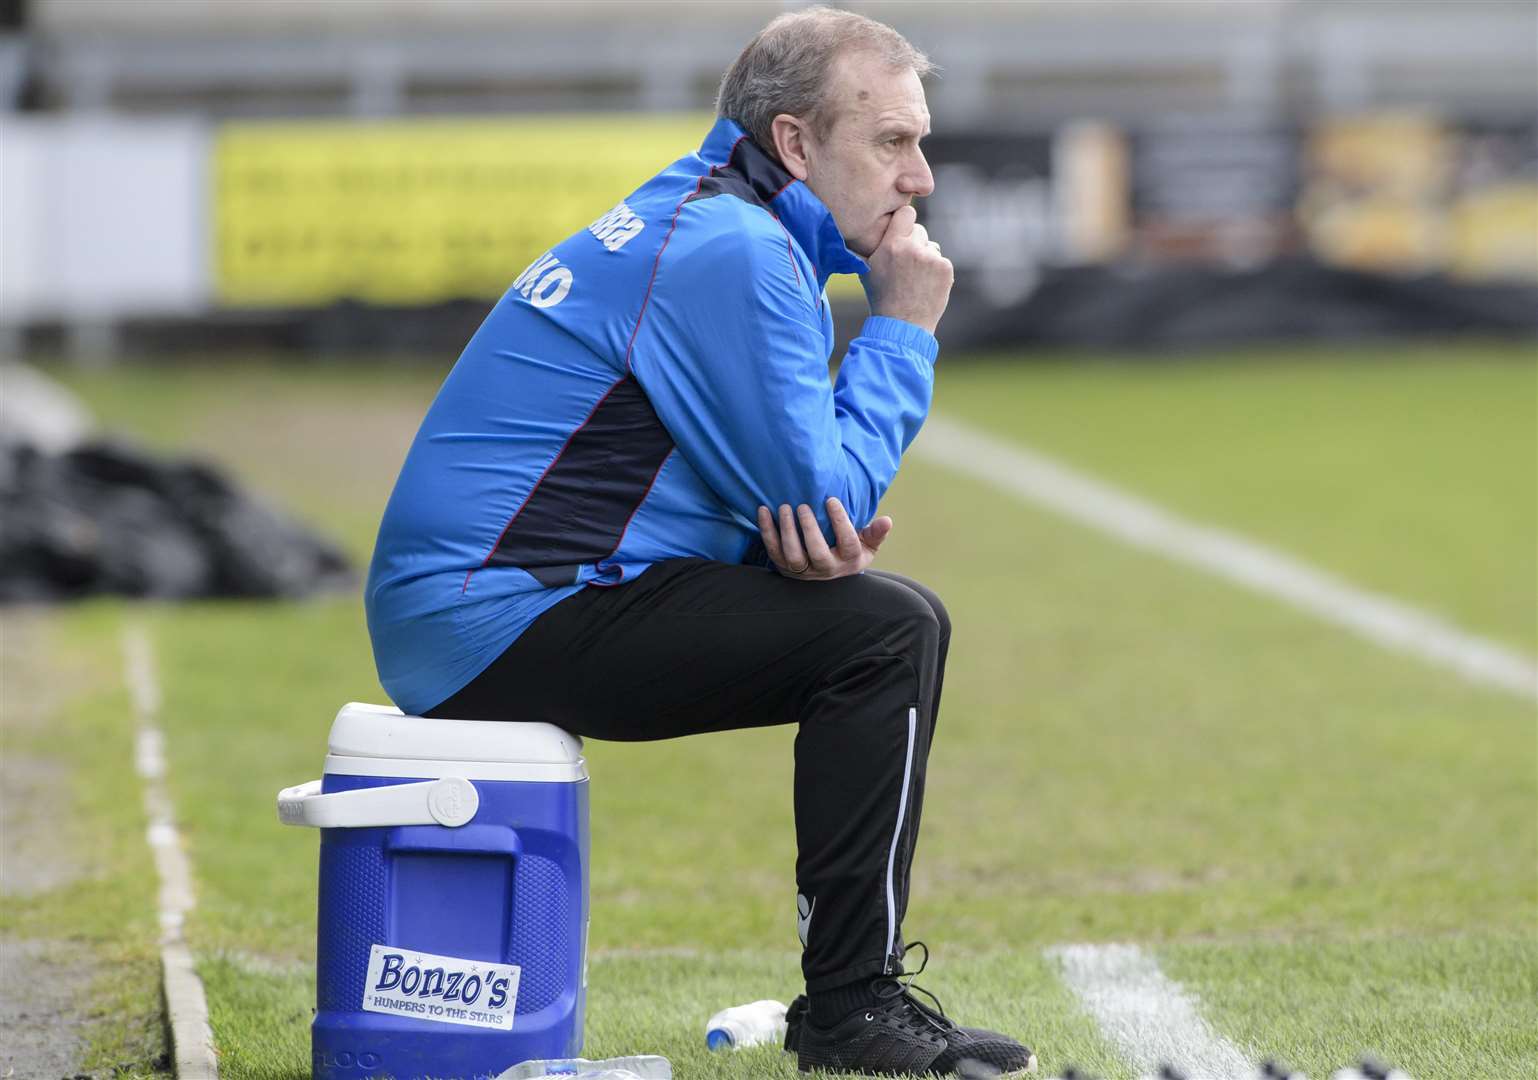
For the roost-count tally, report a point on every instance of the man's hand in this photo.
(909, 279)
(803, 554)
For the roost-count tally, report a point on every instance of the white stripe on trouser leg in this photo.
(891, 856)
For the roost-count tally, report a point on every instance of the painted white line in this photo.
(1149, 1016)
(1037, 478)
(192, 1040)
(149, 753)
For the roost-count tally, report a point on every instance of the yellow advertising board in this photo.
(417, 211)
(1376, 192)
(1411, 193)
(1494, 233)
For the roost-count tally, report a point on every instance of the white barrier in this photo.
(102, 218)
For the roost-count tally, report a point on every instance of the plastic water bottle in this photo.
(746, 1025)
(639, 1067)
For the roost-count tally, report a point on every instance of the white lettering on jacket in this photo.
(618, 227)
(545, 283)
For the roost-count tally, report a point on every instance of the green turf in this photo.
(322, 439)
(1408, 469)
(1465, 1006)
(657, 1003)
(1129, 750)
(261, 1017)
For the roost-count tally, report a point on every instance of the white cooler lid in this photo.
(380, 740)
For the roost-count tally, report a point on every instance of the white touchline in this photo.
(1037, 478)
(1146, 1014)
(192, 1040)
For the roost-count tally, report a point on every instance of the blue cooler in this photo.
(453, 895)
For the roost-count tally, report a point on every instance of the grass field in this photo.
(1332, 847)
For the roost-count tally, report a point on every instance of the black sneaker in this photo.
(900, 1035)
(795, 1016)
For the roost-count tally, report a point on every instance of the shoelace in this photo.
(889, 989)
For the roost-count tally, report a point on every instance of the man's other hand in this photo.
(798, 550)
(909, 279)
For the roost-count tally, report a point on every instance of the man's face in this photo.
(869, 163)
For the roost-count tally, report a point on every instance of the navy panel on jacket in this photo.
(749, 174)
(580, 507)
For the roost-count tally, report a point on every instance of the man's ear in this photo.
(790, 135)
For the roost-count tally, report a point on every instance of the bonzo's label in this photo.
(441, 988)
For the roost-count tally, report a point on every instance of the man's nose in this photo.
(916, 179)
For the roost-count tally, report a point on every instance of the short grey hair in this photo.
(785, 68)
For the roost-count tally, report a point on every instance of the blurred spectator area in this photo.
(1030, 63)
(319, 174)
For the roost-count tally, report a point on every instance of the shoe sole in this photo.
(1029, 1069)
(1014, 1074)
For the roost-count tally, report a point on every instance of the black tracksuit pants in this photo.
(694, 646)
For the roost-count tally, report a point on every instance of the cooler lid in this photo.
(383, 731)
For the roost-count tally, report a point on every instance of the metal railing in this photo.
(1027, 63)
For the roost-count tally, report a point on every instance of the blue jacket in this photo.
(639, 391)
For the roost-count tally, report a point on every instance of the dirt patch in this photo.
(45, 982)
(35, 799)
(40, 1009)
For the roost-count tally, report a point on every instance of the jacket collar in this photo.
(730, 151)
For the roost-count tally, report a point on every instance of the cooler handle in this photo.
(451, 801)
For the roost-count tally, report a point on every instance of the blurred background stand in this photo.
(196, 175)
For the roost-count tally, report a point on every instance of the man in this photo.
(582, 531)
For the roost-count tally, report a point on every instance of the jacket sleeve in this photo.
(732, 355)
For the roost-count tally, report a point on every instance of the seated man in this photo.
(637, 509)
